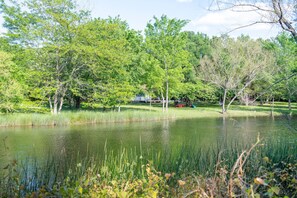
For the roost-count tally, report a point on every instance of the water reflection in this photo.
(165, 133)
(90, 140)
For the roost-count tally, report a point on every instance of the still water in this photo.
(40, 142)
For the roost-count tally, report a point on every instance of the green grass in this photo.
(80, 117)
(136, 113)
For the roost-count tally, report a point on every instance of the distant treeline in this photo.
(55, 54)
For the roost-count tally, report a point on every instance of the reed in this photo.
(131, 164)
(130, 113)
(80, 117)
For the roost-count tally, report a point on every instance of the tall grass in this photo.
(131, 114)
(81, 117)
(130, 164)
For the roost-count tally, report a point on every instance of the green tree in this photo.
(165, 45)
(110, 52)
(234, 64)
(10, 89)
(285, 51)
(48, 28)
(198, 46)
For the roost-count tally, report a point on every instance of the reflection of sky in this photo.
(90, 140)
(138, 12)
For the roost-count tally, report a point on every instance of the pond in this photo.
(40, 142)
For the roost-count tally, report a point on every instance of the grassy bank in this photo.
(80, 117)
(268, 170)
(135, 113)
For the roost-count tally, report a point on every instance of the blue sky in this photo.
(138, 12)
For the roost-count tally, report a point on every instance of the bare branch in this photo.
(251, 24)
(232, 6)
(285, 24)
(275, 11)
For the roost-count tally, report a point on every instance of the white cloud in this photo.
(2, 30)
(184, 1)
(220, 22)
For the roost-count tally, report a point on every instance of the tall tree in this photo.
(198, 46)
(10, 89)
(234, 64)
(48, 27)
(110, 51)
(285, 51)
(165, 46)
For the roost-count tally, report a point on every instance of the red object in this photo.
(180, 105)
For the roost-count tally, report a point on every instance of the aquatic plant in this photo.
(184, 171)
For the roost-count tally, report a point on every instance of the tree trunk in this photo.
(239, 92)
(54, 105)
(50, 104)
(55, 110)
(224, 101)
(272, 107)
(61, 98)
(246, 99)
(119, 108)
(167, 82)
(261, 101)
(163, 103)
(289, 97)
(167, 90)
(150, 103)
(77, 102)
(61, 104)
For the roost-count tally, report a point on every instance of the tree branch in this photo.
(251, 24)
(275, 13)
(292, 75)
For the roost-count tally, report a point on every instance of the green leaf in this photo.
(257, 195)
(275, 190)
(80, 189)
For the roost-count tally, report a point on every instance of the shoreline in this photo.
(133, 113)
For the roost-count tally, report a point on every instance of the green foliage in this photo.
(198, 90)
(62, 57)
(48, 29)
(110, 65)
(285, 49)
(152, 184)
(234, 65)
(73, 56)
(277, 180)
(166, 56)
(10, 89)
(199, 45)
(116, 94)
